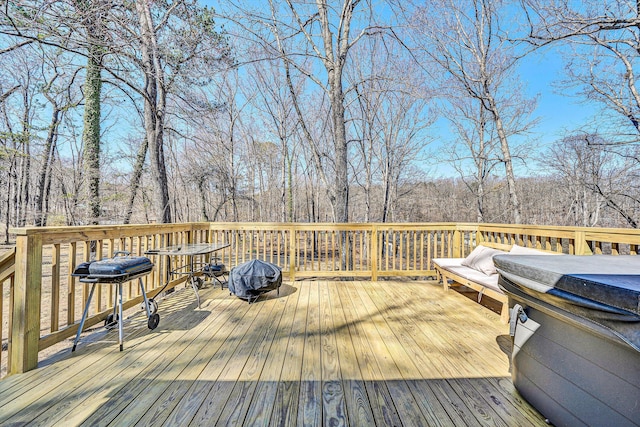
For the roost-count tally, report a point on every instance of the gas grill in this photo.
(115, 271)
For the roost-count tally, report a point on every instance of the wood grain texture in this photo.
(321, 353)
(357, 402)
(262, 406)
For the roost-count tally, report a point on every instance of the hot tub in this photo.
(576, 327)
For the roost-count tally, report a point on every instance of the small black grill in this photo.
(116, 271)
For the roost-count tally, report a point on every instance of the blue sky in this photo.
(557, 112)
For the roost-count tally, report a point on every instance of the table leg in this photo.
(194, 285)
(84, 317)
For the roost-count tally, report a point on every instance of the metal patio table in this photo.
(193, 266)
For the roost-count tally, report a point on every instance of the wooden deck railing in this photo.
(42, 302)
(7, 280)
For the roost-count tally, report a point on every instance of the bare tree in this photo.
(577, 167)
(76, 26)
(594, 178)
(218, 144)
(600, 44)
(18, 134)
(389, 118)
(464, 40)
(153, 42)
(275, 104)
(155, 97)
(174, 40)
(472, 152)
(58, 91)
(9, 155)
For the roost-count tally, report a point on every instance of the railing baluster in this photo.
(71, 285)
(55, 287)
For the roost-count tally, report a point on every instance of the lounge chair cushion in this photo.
(481, 259)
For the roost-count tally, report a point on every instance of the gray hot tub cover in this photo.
(253, 278)
(604, 289)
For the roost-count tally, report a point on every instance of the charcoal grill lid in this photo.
(81, 269)
(120, 266)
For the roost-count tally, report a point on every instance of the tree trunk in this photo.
(508, 164)
(25, 172)
(135, 179)
(154, 109)
(480, 201)
(341, 182)
(334, 64)
(203, 198)
(283, 181)
(481, 164)
(47, 194)
(45, 169)
(91, 131)
(7, 212)
(386, 173)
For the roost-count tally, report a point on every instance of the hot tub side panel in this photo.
(571, 373)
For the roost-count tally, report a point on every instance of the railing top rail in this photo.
(7, 265)
(334, 224)
(557, 228)
(96, 232)
(8, 257)
(25, 231)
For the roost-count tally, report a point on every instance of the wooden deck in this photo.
(321, 353)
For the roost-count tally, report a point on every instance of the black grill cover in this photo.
(251, 279)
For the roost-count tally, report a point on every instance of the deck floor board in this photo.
(320, 353)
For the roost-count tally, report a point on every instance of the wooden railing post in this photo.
(581, 245)
(457, 244)
(292, 254)
(26, 304)
(373, 253)
(479, 237)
